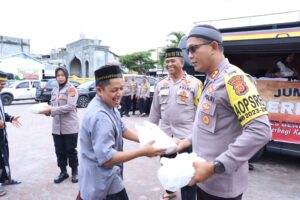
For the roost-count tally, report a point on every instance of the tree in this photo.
(178, 36)
(140, 62)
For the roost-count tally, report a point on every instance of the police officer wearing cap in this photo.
(65, 126)
(174, 106)
(231, 123)
(101, 140)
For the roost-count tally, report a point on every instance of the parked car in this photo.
(86, 93)
(87, 90)
(43, 92)
(19, 90)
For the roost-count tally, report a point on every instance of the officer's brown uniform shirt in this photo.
(64, 111)
(219, 135)
(173, 106)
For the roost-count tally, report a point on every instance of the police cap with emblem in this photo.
(173, 52)
(206, 32)
(3, 76)
(107, 72)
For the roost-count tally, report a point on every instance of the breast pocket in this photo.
(183, 97)
(63, 97)
(163, 99)
(163, 96)
(207, 116)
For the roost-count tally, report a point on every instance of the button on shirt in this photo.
(173, 105)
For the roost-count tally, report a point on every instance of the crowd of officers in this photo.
(206, 119)
(135, 96)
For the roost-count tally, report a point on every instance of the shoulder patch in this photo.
(72, 91)
(238, 84)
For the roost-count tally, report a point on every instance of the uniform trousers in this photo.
(118, 196)
(125, 105)
(65, 149)
(143, 105)
(133, 104)
(201, 195)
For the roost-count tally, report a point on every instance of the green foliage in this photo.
(176, 37)
(140, 62)
(17, 77)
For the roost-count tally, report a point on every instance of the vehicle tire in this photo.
(6, 99)
(83, 102)
(258, 155)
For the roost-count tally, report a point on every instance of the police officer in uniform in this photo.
(65, 124)
(144, 97)
(133, 96)
(174, 106)
(231, 123)
(101, 141)
(126, 98)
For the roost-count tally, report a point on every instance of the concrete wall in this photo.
(10, 45)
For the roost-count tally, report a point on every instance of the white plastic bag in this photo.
(38, 108)
(177, 172)
(150, 132)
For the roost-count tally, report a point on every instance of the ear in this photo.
(215, 46)
(99, 90)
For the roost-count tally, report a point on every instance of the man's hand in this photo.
(1, 124)
(46, 111)
(150, 151)
(181, 144)
(15, 122)
(203, 170)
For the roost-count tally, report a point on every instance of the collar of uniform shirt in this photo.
(221, 67)
(182, 78)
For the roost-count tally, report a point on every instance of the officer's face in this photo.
(2, 85)
(199, 53)
(60, 77)
(174, 65)
(112, 93)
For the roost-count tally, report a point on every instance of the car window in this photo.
(35, 84)
(23, 85)
(52, 83)
(42, 84)
(151, 80)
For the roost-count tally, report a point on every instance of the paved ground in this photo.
(33, 162)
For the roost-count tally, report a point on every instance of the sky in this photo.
(126, 26)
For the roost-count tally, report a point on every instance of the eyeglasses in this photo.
(193, 48)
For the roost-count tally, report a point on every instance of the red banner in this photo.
(283, 104)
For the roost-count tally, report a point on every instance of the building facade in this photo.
(83, 57)
(11, 45)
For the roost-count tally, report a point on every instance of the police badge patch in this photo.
(238, 84)
(72, 92)
(206, 119)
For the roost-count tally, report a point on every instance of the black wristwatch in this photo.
(218, 167)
